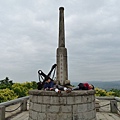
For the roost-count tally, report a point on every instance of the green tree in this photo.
(116, 92)
(6, 83)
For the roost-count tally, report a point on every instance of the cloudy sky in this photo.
(29, 38)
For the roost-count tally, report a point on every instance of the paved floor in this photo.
(103, 114)
(100, 116)
(20, 116)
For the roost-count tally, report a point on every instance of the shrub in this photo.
(7, 94)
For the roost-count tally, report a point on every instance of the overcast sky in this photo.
(29, 38)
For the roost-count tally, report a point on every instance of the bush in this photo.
(22, 89)
(101, 92)
(7, 94)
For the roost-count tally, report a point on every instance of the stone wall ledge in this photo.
(63, 93)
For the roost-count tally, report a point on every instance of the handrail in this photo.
(113, 103)
(23, 106)
(108, 98)
(12, 102)
(105, 98)
(117, 99)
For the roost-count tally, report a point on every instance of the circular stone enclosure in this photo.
(49, 105)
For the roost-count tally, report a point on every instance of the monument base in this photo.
(49, 105)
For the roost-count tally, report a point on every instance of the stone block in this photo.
(52, 116)
(53, 108)
(78, 99)
(54, 100)
(90, 106)
(70, 100)
(88, 115)
(30, 118)
(43, 108)
(37, 107)
(30, 106)
(85, 99)
(30, 98)
(93, 105)
(93, 97)
(82, 108)
(75, 107)
(34, 115)
(40, 99)
(46, 99)
(64, 116)
(34, 99)
(30, 113)
(89, 98)
(66, 108)
(62, 100)
(42, 116)
(77, 116)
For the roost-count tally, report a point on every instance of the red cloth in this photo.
(86, 85)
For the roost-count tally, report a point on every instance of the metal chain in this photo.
(103, 105)
(14, 109)
(116, 107)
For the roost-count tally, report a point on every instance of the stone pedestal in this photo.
(49, 105)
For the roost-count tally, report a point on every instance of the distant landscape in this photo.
(104, 85)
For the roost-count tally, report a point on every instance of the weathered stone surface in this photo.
(66, 108)
(63, 93)
(48, 105)
(42, 116)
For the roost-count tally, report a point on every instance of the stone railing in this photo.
(113, 103)
(20, 103)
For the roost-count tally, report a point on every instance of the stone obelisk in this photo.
(69, 107)
(62, 69)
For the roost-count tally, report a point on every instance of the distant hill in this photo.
(107, 85)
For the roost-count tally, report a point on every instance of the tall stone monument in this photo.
(49, 105)
(62, 70)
